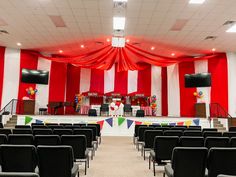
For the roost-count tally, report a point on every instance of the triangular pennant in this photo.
(120, 120)
(101, 122)
(138, 123)
(196, 121)
(38, 121)
(28, 119)
(129, 123)
(180, 123)
(109, 121)
(188, 123)
(172, 124)
(164, 124)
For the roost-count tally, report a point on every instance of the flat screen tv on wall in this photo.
(34, 76)
(198, 80)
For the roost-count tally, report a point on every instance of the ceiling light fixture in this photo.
(118, 23)
(118, 42)
(108, 40)
(18, 44)
(60, 51)
(82, 46)
(127, 40)
(232, 29)
(196, 1)
(152, 48)
(213, 50)
(120, 0)
(173, 54)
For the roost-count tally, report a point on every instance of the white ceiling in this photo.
(148, 22)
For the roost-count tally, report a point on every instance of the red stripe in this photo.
(72, 85)
(27, 61)
(121, 82)
(57, 83)
(144, 81)
(219, 77)
(187, 100)
(97, 81)
(164, 95)
(2, 53)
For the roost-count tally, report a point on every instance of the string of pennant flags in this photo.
(122, 120)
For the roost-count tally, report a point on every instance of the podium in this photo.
(28, 107)
(200, 110)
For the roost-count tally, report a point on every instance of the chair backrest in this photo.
(55, 161)
(93, 128)
(162, 128)
(216, 142)
(78, 144)
(22, 131)
(88, 133)
(209, 129)
(41, 126)
(3, 139)
(173, 133)
(196, 127)
(98, 128)
(211, 134)
(229, 134)
(55, 126)
(65, 124)
(49, 124)
(164, 145)
(189, 161)
(232, 129)
(127, 108)
(18, 174)
(1, 125)
(21, 139)
(5, 131)
(63, 131)
(192, 133)
(47, 140)
(233, 142)
(221, 161)
(18, 158)
(32, 124)
(42, 131)
(225, 176)
(179, 128)
(22, 126)
(191, 141)
(104, 107)
(149, 136)
(136, 129)
(141, 131)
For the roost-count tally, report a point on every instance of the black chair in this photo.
(40, 126)
(65, 124)
(104, 109)
(55, 126)
(233, 142)
(149, 136)
(89, 137)
(32, 124)
(22, 131)
(141, 131)
(21, 139)
(232, 129)
(3, 139)
(209, 129)
(1, 125)
(192, 133)
(221, 161)
(18, 158)
(79, 146)
(216, 142)
(229, 134)
(191, 141)
(98, 134)
(22, 126)
(5, 131)
(49, 124)
(127, 110)
(94, 129)
(18, 174)
(140, 113)
(47, 140)
(225, 176)
(194, 127)
(183, 128)
(42, 131)
(56, 161)
(92, 112)
(136, 129)
(63, 131)
(187, 162)
(211, 134)
(162, 128)
(163, 147)
(173, 133)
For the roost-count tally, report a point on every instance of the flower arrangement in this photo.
(153, 104)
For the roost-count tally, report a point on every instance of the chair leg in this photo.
(149, 160)
(154, 170)
(144, 154)
(85, 168)
(88, 161)
(164, 174)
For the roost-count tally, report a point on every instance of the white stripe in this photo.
(156, 87)
(109, 80)
(201, 66)
(173, 90)
(132, 81)
(41, 98)
(11, 75)
(231, 59)
(85, 78)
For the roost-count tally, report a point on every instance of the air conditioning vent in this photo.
(136, 43)
(210, 38)
(120, 5)
(229, 22)
(99, 42)
(3, 32)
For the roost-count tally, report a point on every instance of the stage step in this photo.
(11, 123)
(220, 127)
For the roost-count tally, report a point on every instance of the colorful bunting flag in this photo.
(188, 123)
(196, 121)
(129, 123)
(28, 119)
(38, 121)
(172, 124)
(180, 123)
(109, 121)
(164, 124)
(120, 120)
(138, 123)
(101, 122)
(147, 123)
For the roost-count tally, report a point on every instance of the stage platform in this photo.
(112, 126)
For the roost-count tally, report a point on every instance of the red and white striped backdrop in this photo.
(173, 99)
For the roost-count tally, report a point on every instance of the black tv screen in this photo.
(198, 80)
(34, 76)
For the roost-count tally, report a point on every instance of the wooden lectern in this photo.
(28, 107)
(200, 110)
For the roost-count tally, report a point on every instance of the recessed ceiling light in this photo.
(60, 51)
(232, 29)
(118, 23)
(196, 1)
(19, 44)
(118, 42)
(108, 40)
(213, 50)
(120, 0)
(173, 54)
(152, 48)
(82, 46)
(127, 40)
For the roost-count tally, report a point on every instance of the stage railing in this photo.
(12, 108)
